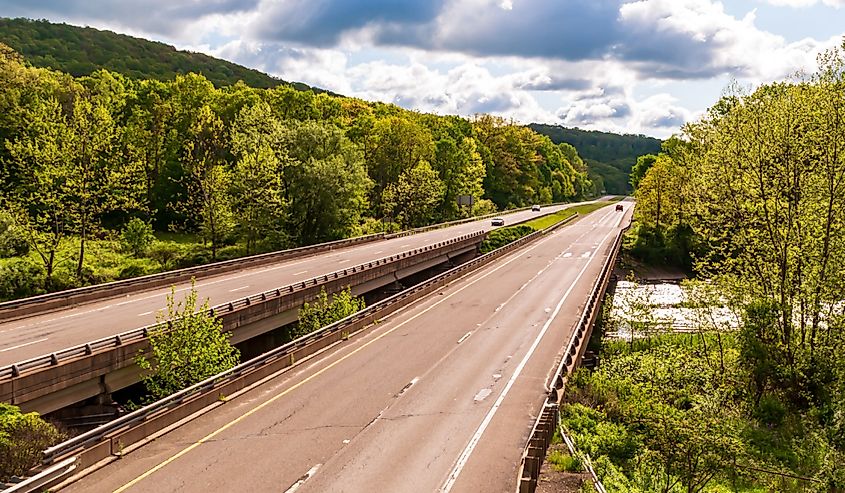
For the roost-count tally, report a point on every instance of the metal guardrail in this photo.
(44, 479)
(259, 367)
(10, 310)
(87, 349)
(546, 423)
(588, 464)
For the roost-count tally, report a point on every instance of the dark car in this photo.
(619, 207)
(497, 221)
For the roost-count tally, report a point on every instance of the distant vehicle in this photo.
(619, 207)
(497, 221)
(535, 208)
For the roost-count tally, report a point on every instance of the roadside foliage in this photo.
(751, 200)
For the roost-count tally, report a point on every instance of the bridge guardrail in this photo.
(14, 309)
(10, 310)
(112, 438)
(46, 478)
(53, 359)
(546, 423)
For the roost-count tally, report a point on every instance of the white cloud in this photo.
(806, 3)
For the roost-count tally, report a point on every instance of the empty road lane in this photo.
(438, 397)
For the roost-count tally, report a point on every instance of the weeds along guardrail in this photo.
(546, 423)
(118, 436)
(139, 334)
(14, 309)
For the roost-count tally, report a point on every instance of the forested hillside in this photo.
(81, 51)
(93, 166)
(608, 155)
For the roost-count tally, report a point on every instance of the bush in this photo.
(198, 255)
(230, 252)
(22, 439)
(133, 269)
(165, 253)
(193, 347)
(12, 241)
(20, 278)
(137, 237)
(326, 310)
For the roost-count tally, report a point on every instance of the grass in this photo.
(551, 219)
(561, 461)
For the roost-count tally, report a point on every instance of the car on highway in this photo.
(535, 208)
(619, 207)
(497, 221)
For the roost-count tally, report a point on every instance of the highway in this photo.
(440, 396)
(42, 334)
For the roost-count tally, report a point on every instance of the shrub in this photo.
(22, 439)
(198, 255)
(326, 310)
(137, 237)
(12, 241)
(193, 347)
(133, 269)
(165, 253)
(230, 252)
(20, 278)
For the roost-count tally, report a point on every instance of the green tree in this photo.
(137, 237)
(189, 347)
(413, 200)
(327, 183)
(640, 169)
(208, 179)
(461, 171)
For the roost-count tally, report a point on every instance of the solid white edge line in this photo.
(464, 457)
(23, 345)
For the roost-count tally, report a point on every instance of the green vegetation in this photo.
(191, 348)
(502, 236)
(81, 51)
(89, 161)
(751, 198)
(23, 437)
(609, 157)
(326, 310)
(562, 461)
(672, 413)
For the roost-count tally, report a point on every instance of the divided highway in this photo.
(441, 396)
(42, 334)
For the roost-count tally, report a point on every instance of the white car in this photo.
(497, 221)
(535, 208)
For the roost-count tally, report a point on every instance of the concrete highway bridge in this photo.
(439, 395)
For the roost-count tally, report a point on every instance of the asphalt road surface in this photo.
(439, 397)
(27, 338)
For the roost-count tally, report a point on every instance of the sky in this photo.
(643, 66)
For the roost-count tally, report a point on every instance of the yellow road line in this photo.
(315, 375)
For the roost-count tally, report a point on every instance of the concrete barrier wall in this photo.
(31, 385)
